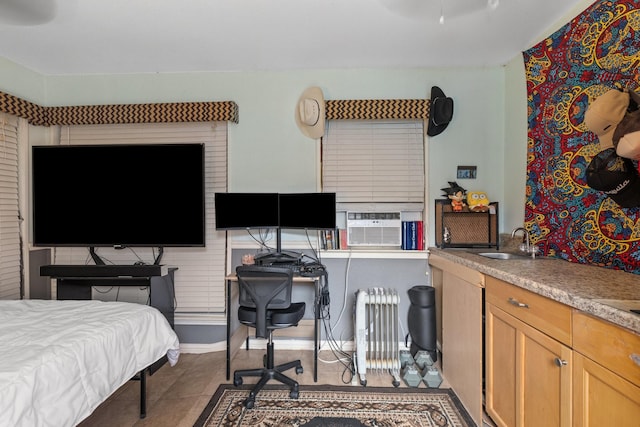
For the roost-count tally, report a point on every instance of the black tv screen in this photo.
(118, 195)
(246, 210)
(308, 210)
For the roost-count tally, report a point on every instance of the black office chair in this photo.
(265, 304)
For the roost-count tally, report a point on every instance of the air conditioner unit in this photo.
(374, 229)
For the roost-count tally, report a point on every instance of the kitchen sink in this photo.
(503, 255)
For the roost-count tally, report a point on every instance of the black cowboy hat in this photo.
(441, 112)
(616, 176)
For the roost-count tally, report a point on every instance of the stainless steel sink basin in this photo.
(503, 255)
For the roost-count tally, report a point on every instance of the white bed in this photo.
(60, 359)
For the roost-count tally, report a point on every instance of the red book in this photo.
(420, 236)
(343, 239)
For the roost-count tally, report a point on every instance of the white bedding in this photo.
(60, 359)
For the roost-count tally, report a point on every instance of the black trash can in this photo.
(422, 320)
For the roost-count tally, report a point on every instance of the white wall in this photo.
(22, 82)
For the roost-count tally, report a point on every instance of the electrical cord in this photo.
(341, 356)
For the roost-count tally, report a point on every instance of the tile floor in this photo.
(176, 395)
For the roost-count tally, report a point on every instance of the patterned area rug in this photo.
(331, 406)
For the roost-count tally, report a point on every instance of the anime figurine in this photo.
(456, 194)
(477, 201)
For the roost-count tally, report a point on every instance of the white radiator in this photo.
(376, 333)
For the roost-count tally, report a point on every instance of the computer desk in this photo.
(297, 280)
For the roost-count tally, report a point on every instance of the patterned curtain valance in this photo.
(119, 113)
(376, 109)
(34, 113)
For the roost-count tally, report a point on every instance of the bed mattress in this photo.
(60, 359)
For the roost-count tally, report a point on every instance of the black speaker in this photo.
(422, 320)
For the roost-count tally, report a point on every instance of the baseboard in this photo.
(199, 348)
(259, 343)
(281, 343)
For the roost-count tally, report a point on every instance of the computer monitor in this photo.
(311, 211)
(236, 211)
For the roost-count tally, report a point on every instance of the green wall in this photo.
(267, 152)
(515, 130)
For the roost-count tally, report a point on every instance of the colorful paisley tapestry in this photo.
(596, 51)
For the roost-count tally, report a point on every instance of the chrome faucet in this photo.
(526, 245)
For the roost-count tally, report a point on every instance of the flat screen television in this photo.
(312, 211)
(235, 211)
(119, 195)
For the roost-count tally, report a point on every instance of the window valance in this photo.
(377, 109)
(172, 112)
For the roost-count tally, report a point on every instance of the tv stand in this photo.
(74, 282)
(95, 257)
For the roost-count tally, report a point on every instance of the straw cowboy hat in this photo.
(441, 112)
(310, 112)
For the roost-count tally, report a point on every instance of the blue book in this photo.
(405, 235)
(413, 236)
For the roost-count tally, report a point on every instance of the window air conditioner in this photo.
(374, 229)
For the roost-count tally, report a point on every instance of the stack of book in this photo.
(413, 235)
(334, 239)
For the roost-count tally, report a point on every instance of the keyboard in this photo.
(295, 267)
(299, 268)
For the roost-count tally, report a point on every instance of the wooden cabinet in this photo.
(528, 359)
(545, 363)
(460, 293)
(465, 229)
(606, 374)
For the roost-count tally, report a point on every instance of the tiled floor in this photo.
(177, 395)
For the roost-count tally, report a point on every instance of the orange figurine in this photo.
(457, 196)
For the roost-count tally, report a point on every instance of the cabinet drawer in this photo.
(613, 347)
(544, 314)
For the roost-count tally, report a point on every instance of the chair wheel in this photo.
(299, 370)
(249, 403)
(294, 394)
(237, 381)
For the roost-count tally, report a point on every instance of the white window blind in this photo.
(199, 280)
(379, 161)
(9, 209)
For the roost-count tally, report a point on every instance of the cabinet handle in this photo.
(560, 362)
(636, 358)
(517, 303)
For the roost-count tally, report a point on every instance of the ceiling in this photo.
(62, 37)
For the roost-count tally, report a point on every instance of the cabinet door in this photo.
(500, 366)
(436, 281)
(602, 398)
(462, 340)
(528, 376)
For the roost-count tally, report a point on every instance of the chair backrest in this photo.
(264, 288)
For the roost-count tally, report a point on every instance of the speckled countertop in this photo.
(579, 286)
